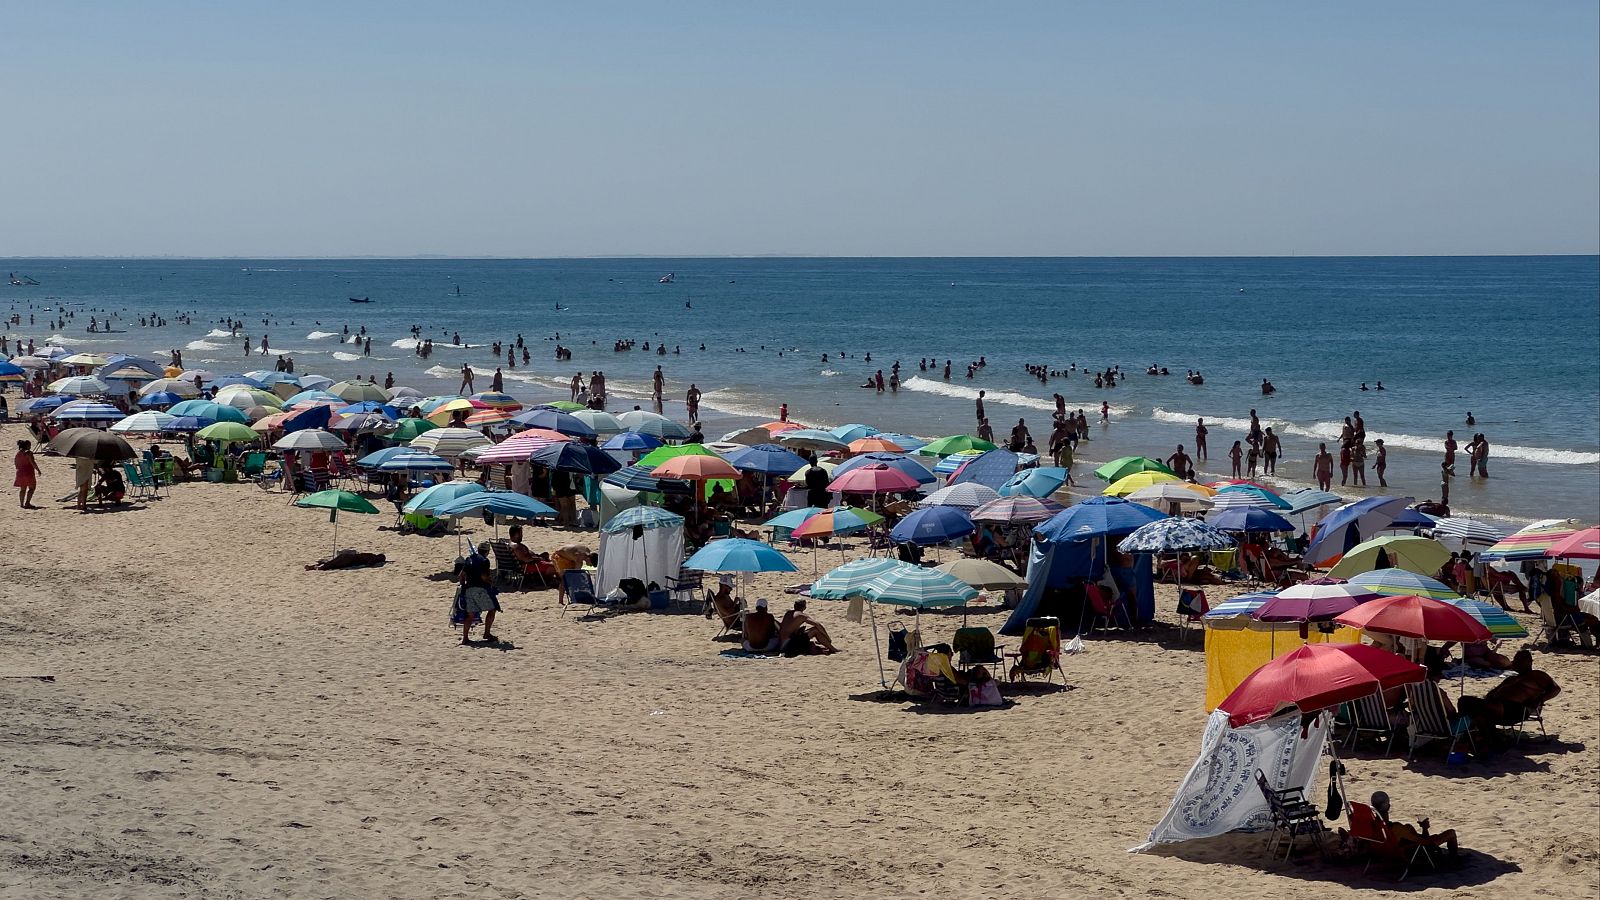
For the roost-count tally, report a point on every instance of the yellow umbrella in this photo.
(441, 414)
(1130, 483)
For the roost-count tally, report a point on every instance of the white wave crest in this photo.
(406, 343)
(413, 343)
(829, 373)
(218, 332)
(347, 357)
(319, 335)
(204, 345)
(1004, 398)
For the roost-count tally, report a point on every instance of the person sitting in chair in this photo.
(760, 630)
(1408, 835)
(801, 635)
(726, 608)
(1512, 699)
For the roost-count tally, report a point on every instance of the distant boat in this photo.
(667, 278)
(360, 299)
(560, 308)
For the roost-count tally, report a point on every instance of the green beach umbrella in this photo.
(1118, 469)
(1420, 555)
(334, 502)
(227, 432)
(954, 443)
(672, 451)
(408, 428)
(566, 406)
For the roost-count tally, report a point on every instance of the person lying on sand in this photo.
(348, 559)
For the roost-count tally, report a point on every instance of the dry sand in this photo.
(221, 723)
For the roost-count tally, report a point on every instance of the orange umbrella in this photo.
(695, 468)
(779, 427)
(489, 416)
(875, 445)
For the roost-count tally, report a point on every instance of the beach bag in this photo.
(986, 693)
(898, 642)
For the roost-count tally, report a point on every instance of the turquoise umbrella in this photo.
(848, 580)
(1497, 620)
(1039, 482)
(738, 555)
(792, 519)
(441, 495)
(917, 587)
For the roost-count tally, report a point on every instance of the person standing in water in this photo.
(1380, 461)
(1322, 468)
(1449, 464)
(1200, 432)
(466, 379)
(979, 405)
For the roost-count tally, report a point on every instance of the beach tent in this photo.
(644, 543)
(1237, 645)
(1071, 547)
(991, 469)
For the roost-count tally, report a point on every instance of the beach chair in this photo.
(1530, 714)
(687, 581)
(580, 589)
(148, 472)
(1429, 721)
(508, 572)
(1039, 653)
(253, 464)
(1291, 815)
(1370, 715)
(731, 622)
(1555, 623)
(975, 646)
(138, 487)
(1103, 608)
(1192, 605)
(1377, 839)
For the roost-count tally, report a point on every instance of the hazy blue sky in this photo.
(811, 128)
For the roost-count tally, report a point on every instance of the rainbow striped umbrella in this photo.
(839, 520)
(1401, 583)
(1497, 620)
(497, 400)
(1532, 541)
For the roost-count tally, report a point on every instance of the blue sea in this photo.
(1513, 340)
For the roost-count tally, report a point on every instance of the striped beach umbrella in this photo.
(1531, 542)
(78, 386)
(1011, 510)
(449, 442)
(413, 461)
(653, 424)
(488, 417)
(848, 580)
(497, 400)
(241, 397)
(1222, 499)
(1307, 499)
(1461, 531)
(1393, 582)
(1238, 611)
(309, 439)
(634, 478)
(87, 411)
(148, 422)
(601, 422)
(967, 496)
(950, 464)
(1498, 621)
(917, 587)
(439, 495)
(839, 520)
(12, 373)
(355, 391)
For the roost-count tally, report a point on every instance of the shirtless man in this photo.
(1409, 834)
(1483, 456)
(981, 414)
(1200, 432)
(1254, 437)
(1449, 464)
(1178, 462)
(1019, 436)
(466, 378)
(1270, 448)
(1322, 467)
(658, 382)
(985, 430)
(1512, 698)
(801, 635)
(760, 630)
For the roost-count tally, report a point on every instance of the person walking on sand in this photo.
(27, 480)
(1270, 448)
(475, 595)
(1322, 468)
(1200, 432)
(1380, 461)
(466, 379)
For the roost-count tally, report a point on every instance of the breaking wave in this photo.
(319, 335)
(1004, 398)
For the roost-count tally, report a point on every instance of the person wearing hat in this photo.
(760, 630)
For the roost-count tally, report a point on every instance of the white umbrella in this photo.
(79, 386)
(309, 439)
(184, 389)
(1456, 532)
(150, 422)
(601, 422)
(449, 442)
(968, 496)
(981, 573)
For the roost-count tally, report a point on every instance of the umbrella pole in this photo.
(872, 615)
(335, 532)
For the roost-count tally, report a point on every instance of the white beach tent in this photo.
(644, 542)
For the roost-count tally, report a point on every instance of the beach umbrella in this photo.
(1583, 544)
(1097, 517)
(241, 397)
(968, 496)
(932, 525)
(914, 586)
(839, 520)
(1249, 519)
(1316, 677)
(1589, 604)
(160, 398)
(143, 423)
(810, 439)
(87, 411)
(570, 456)
(368, 406)
(642, 517)
(487, 417)
(554, 420)
(631, 441)
(449, 442)
(910, 442)
(1171, 494)
(371, 460)
(497, 400)
(502, 504)
(414, 461)
(273, 422)
(1175, 535)
(983, 574)
(1307, 499)
(444, 413)
(874, 479)
(81, 359)
(355, 391)
(738, 555)
(634, 478)
(360, 422)
(1237, 611)
(335, 502)
(600, 422)
(1532, 541)
(1127, 484)
(874, 445)
(1399, 583)
(206, 409)
(52, 352)
(1460, 531)
(315, 382)
(1119, 469)
(955, 443)
(848, 580)
(690, 467)
(404, 430)
(777, 428)
(236, 379)
(126, 373)
(1246, 495)
(1416, 617)
(516, 448)
(1012, 510)
(227, 433)
(188, 423)
(793, 518)
(1312, 602)
(897, 461)
(956, 461)
(1412, 518)
(310, 395)
(91, 443)
(1499, 622)
(653, 424)
(12, 373)
(30, 362)
(768, 459)
(34, 406)
(1414, 554)
(1350, 523)
(828, 466)
(853, 432)
(1039, 482)
(78, 386)
(748, 436)
(310, 439)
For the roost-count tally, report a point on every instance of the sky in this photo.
(843, 129)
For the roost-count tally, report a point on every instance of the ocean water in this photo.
(1513, 340)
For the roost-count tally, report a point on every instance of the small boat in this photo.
(667, 278)
(360, 299)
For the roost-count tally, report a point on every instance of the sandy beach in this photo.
(190, 713)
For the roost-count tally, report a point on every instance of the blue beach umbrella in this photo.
(415, 461)
(907, 442)
(507, 504)
(855, 432)
(767, 459)
(88, 411)
(1037, 482)
(206, 409)
(793, 518)
(634, 478)
(37, 405)
(917, 587)
(1411, 518)
(570, 456)
(160, 398)
(631, 440)
(738, 555)
(189, 423)
(932, 525)
(1097, 517)
(440, 495)
(897, 461)
(1237, 611)
(1250, 518)
(1307, 499)
(368, 406)
(642, 517)
(850, 579)
(373, 460)
(554, 420)
(311, 397)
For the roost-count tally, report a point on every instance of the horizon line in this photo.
(603, 256)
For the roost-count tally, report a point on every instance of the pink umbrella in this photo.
(1016, 508)
(873, 479)
(1583, 544)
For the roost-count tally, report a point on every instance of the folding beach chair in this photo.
(1291, 815)
(687, 582)
(1370, 715)
(508, 572)
(1102, 606)
(1555, 624)
(138, 487)
(580, 589)
(1039, 653)
(1192, 605)
(975, 646)
(1376, 838)
(1430, 722)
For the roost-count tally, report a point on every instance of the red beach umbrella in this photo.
(1583, 544)
(873, 479)
(1315, 677)
(1416, 617)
